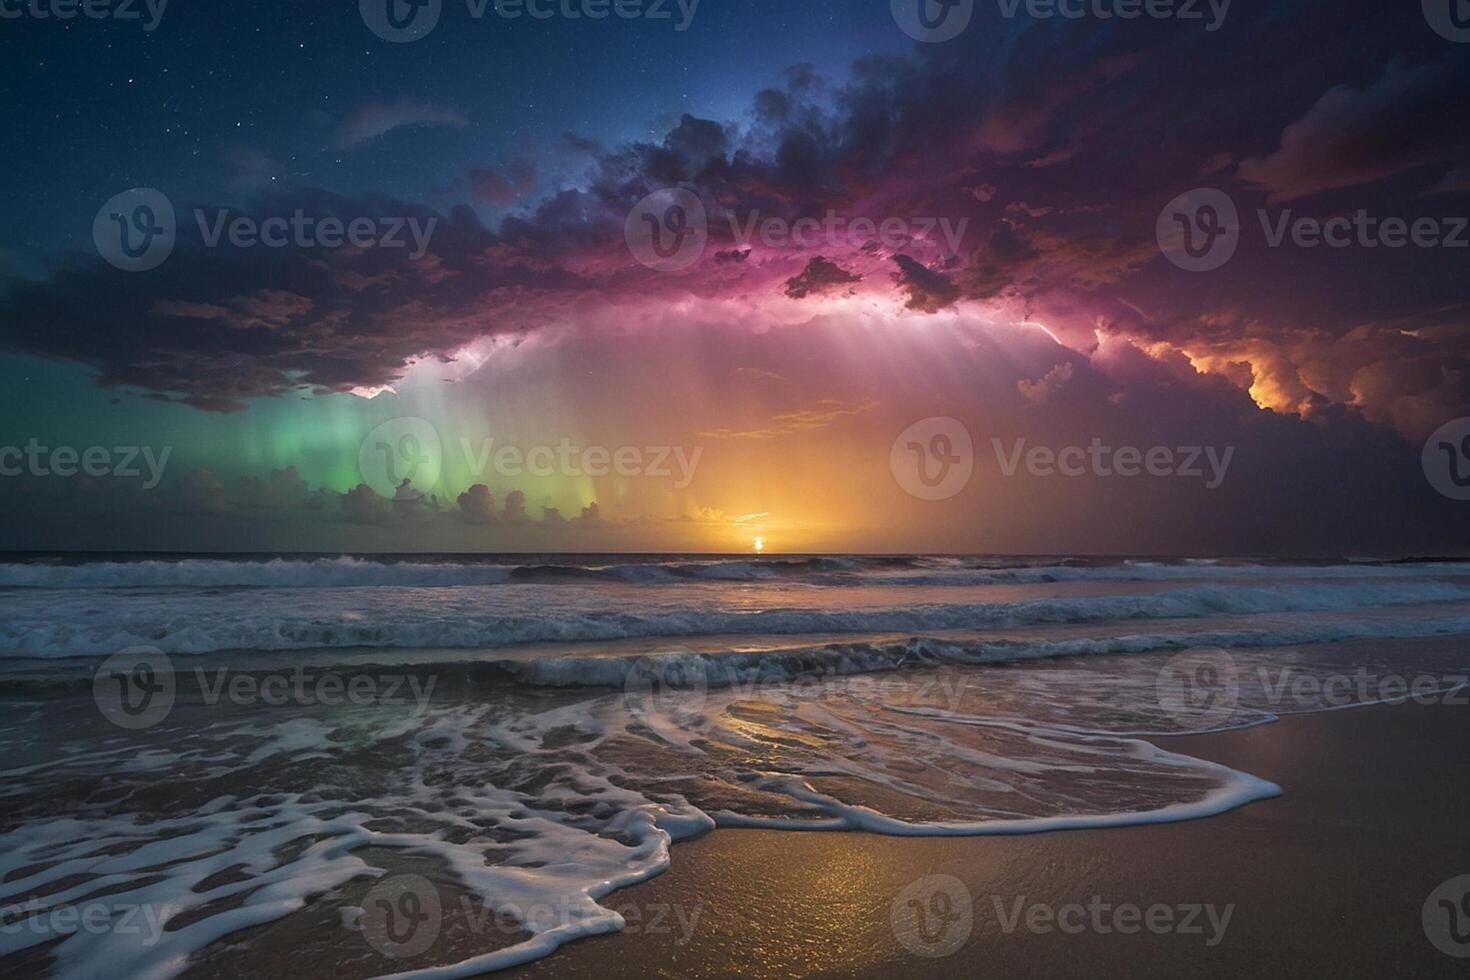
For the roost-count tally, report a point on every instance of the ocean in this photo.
(217, 743)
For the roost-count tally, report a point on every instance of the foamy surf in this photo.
(546, 777)
(45, 623)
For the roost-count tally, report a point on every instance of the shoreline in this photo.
(1330, 876)
(1332, 869)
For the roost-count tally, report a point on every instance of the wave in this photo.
(348, 572)
(210, 623)
(713, 669)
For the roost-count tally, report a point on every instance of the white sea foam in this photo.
(84, 623)
(539, 822)
(569, 775)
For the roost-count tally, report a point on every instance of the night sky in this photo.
(1053, 146)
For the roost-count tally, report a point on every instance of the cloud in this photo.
(1455, 182)
(938, 132)
(492, 187)
(215, 326)
(819, 276)
(928, 291)
(760, 374)
(200, 492)
(1353, 136)
(362, 505)
(515, 508)
(283, 489)
(376, 119)
(822, 414)
(477, 505)
(1041, 390)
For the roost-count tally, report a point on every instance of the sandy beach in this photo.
(1329, 879)
(1009, 798)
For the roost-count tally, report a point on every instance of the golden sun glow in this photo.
(759, 544)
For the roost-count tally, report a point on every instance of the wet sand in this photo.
(1328, 879)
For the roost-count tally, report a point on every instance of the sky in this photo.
(865, 275)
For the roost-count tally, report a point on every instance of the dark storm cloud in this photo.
(1059, 141)
(214, 326)
(928, 291)
(819, 276)
(1355, 136)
